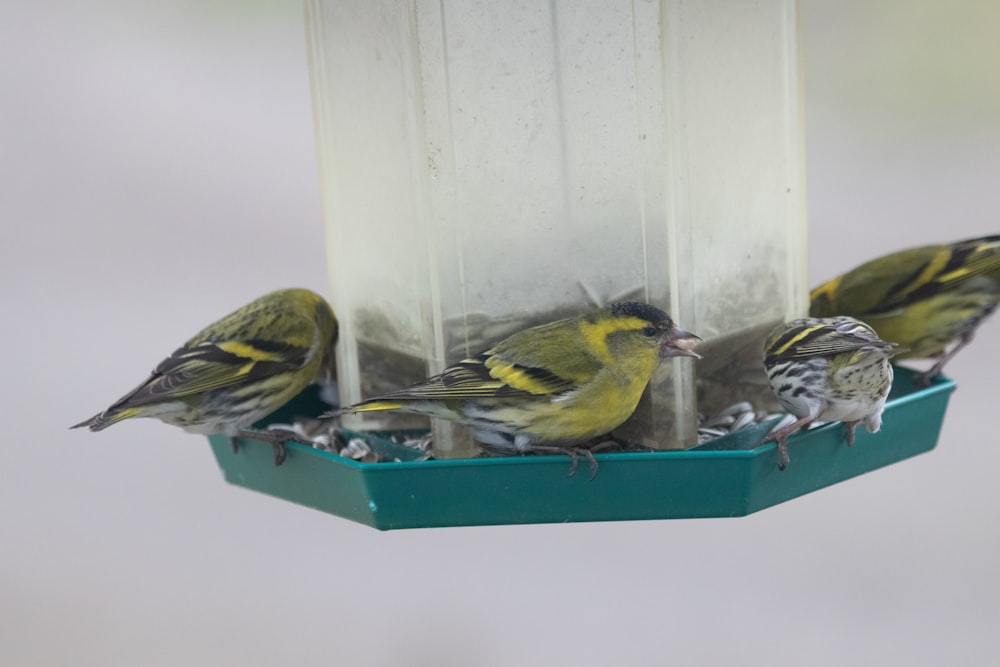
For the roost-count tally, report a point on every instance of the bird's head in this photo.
(637, 328)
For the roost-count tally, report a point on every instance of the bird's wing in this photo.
(213, 365)
(546, 360)
(825, 340)
(914, 275)
(483, 376)
(950, 267)
(521, 379)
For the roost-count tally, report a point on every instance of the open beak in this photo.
(680, 344)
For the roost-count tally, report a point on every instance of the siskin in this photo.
(828, 369)
(550, 387)
(929, 300)
(237, 370)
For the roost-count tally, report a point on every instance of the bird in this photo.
(552, 386)
(237, 370)
(930, 299)
(828, 369)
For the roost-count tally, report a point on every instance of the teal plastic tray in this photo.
(728, 477)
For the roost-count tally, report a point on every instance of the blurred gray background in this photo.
(157, 169)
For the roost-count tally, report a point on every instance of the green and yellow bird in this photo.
(930, 300)
(554, 385)
(238, 370)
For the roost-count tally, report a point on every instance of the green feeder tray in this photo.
(727, 477)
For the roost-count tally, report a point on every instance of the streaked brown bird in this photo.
(828, 369)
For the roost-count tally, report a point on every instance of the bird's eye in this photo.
(650, 332)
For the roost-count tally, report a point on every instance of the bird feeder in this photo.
(729, 477)
(490, 166)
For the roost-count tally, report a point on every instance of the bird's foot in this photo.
(274, 437)
(574, 454)
(926, 379)
(782, 454)
(780, 436)
(850, 426)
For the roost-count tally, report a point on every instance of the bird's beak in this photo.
(680, 344)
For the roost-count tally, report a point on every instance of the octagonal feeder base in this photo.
(728, 477)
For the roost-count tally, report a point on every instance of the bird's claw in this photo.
(275, 437)
(850, 432)
(574, 454)
(279, 453)
(926, 379)
(780, 436)
(782, 454)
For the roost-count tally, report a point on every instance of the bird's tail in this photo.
(102, 420)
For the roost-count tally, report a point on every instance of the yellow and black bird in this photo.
(237, 370)
(554, 385)
(930, 300)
